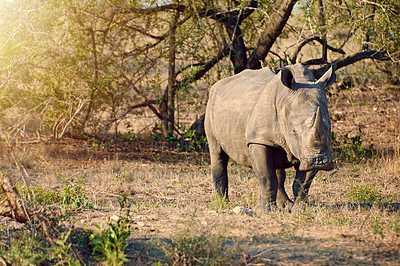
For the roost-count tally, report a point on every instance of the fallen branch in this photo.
(13, 206)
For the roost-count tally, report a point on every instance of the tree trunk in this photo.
(96, 79)
(271, 33)
(371, 18)
(238, 54)
(168, 104)
(322, 25)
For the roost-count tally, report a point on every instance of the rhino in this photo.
(270, 122)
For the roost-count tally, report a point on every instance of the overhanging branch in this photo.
(318, 39)
(151, 10)
(370, 54)
(146, 103)
(205, 67)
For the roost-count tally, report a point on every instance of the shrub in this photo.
(109, 244)
(366, 194)
(351, 148)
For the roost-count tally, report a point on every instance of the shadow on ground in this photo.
(274, 251)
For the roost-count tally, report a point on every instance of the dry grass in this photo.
(171, 198)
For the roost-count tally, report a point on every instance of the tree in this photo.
(83, 67)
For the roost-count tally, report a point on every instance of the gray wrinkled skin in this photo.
(270, 122)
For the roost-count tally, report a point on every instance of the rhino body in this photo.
(270, 122)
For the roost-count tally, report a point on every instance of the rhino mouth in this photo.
(317, 163)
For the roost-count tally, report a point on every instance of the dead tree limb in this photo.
(13, 206)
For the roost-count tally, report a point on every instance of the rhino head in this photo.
(304, 118)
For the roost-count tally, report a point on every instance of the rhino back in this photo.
(230, 104)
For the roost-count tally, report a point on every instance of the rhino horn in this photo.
(319, 129)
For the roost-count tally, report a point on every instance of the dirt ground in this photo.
(171, 197)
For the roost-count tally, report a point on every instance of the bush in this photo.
(366, 194)
(350, 149)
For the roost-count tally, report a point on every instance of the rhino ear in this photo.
(287, 78)
(328, 78)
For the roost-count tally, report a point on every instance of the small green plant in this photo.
(342, 221)
(378, 227)
(350, 149)
(42, 196)
(109, 244)
(251, 200)
(192, 141)
(128, 137)
(219, 203)
(119, 178)
(24, 251)
(366, 194)
(124, 206)
(395, 226)
(94, 142)
(73, 193)
(28, 249)
(62, 250)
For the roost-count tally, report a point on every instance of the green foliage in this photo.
(378, 20)
(350, 149)
(73, 193)
(42, 196)
(366, 194)
(395, 226)
(193, 142)
(109, 244)
(26, 249)
(378, 227)
(69, 67)
(62, 250)
(251, 200)
(219, 203)
(205, 249)
(381, 227)
(342, 221)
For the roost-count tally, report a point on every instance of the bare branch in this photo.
(206, 67)
(151, 10)
(146, 103)
(161, 38)
(238, 14)
(80, 107)
(318, 39)
(316, 61)
(382, 56)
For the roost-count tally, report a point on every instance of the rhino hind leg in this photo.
(262, 161)
(219, 165)
(282, 199)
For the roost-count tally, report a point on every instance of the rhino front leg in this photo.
(262, 161)
(282, 199)
(301, 186)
